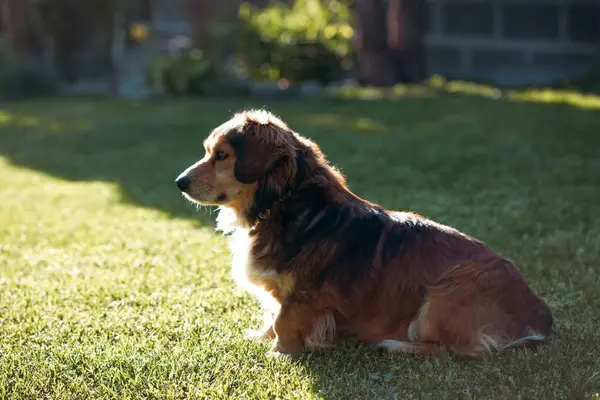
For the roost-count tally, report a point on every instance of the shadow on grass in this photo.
(143, 146)
(140, 147)
(364, 372)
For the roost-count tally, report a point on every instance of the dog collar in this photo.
(266, 213)
(263, 215)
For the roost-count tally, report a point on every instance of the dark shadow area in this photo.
(142, 146)
(375, 374)
(420, 142)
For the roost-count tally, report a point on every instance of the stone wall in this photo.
(513, 41)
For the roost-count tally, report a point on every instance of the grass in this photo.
(114, 286)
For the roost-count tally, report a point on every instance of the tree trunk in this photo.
(390, 41)
(396, 36)
(7, 30)
(406, 23)
(375, 64)
(17, 18)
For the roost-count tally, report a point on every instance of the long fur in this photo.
(331, 266)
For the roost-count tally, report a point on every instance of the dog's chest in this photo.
(254, 265)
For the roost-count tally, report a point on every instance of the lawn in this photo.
(114, 286)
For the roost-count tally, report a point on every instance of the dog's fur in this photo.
(330, 266)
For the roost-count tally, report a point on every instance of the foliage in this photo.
(309, 40)
(23, 77)
(113, 286)
(590, 82)
(180, 73)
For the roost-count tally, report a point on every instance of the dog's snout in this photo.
(182, 183)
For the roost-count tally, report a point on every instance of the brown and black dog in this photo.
(330, 266)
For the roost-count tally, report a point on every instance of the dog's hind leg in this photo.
(480, 309)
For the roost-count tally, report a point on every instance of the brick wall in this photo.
(513, 41)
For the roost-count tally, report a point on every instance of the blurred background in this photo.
(480, 114)
(142, 48)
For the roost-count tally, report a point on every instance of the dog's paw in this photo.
(254, 334)
(279, 351)
(260, 334)
(279, 355)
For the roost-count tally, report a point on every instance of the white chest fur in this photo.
(257, 280)
(247, 275)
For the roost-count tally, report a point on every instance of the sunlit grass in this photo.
(8, 119)
(332, 121)
(114, 286)
(573, 98)
(437, 85)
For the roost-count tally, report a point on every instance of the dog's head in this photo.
(253, 151)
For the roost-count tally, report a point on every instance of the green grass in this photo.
(114, 286)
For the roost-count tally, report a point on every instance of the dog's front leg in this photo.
(293, 323)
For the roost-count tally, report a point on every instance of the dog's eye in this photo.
(221, 155)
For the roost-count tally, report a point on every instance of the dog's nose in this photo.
(182, 183)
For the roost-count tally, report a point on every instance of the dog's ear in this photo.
(258, 149)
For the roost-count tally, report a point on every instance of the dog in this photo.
(329, 266)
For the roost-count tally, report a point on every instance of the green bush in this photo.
(24, 77)
(181, 73)
(309, 40)
(306, 41)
